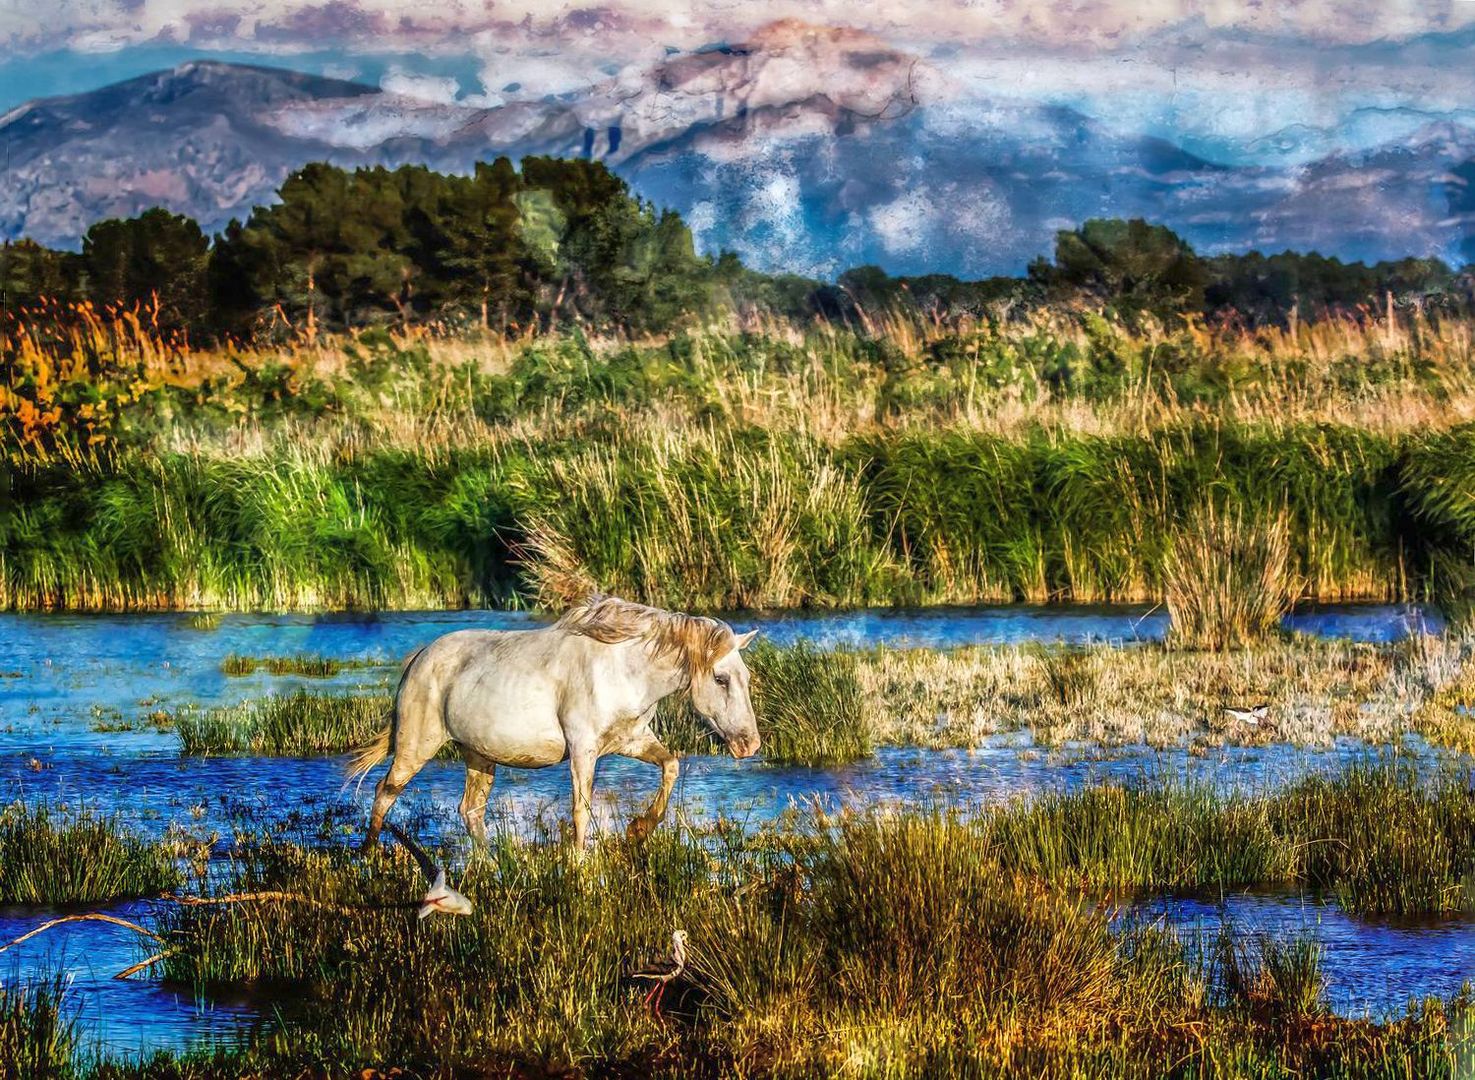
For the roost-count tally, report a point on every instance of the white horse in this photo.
(586, 686)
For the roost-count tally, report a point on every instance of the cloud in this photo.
(437, 89)
(1089, 25)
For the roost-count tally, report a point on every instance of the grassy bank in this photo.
(879, 944)
(887, 943)
(1059, 459)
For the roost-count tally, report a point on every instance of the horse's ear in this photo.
(744, 640)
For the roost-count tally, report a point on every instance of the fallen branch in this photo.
(136, 968)
(86, 917)
(276, 897)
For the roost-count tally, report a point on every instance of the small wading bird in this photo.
(441, 896)
(662, 973)
(1254, 715)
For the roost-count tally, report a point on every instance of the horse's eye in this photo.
(722, 681)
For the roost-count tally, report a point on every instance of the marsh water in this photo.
(76, 693)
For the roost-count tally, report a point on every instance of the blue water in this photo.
(64, 677)
(76, 672)
(1372, 967)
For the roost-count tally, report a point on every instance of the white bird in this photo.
(1254, 715)
(664, 972)
(441, 896)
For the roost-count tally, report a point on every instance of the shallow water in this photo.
(1372, 968)
(66, 676)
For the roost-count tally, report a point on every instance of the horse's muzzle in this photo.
(744, 747)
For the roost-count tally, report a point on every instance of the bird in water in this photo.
(662, 973)
(441, 896)
(1253, 716)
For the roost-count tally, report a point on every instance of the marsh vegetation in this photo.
(1058, 457)
(893, 942)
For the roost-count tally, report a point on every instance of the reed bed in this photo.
(49, 858)
(889, 942)
(718, 520)
(1375, 835)
(742, 465)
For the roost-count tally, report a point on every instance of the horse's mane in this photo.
(698, 642)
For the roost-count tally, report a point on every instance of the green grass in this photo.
(38, 1038)
(51, 859)
(653, 515)
(880, 944)
(808, 703)
(300, 724)
(1377, 836)
(318, 667)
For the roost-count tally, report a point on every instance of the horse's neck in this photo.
(651, 678)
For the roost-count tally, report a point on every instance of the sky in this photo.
(1239, 81)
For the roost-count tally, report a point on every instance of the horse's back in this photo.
(495, 691)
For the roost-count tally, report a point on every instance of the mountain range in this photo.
(804, 148)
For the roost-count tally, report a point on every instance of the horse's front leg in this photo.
(581, 771)
(646, 747)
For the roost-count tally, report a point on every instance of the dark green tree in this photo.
(473, 242)
(1132, 266)
(156, 261)
(32, 275)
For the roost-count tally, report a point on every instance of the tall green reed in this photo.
(38, 1034)
(50, 858)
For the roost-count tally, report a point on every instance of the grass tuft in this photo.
(809, 705)
(319, 667)
(300, 724)
(38, 1037)
(1228, 580)
(47, 859)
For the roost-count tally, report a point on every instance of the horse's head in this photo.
(721, 696)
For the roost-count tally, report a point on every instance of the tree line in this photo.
(558, 241)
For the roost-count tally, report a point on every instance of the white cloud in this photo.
(1096, 25)
(440, 90)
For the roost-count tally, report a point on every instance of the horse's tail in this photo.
(374, 751)
(371, 753)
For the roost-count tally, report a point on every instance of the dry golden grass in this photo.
(1317, 690)
(1409, 374)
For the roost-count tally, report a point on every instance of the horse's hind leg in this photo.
(409, 758)
(480, 773)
